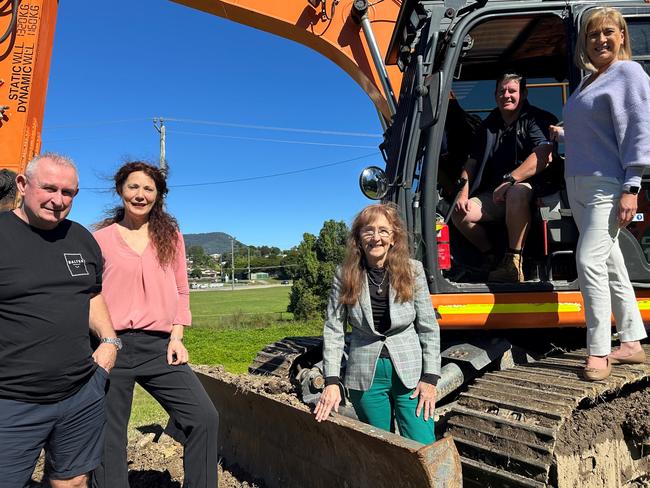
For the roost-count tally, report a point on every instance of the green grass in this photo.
(228, 309)
(257, 300)
(236, 348)
(229, 328)
(145, 410)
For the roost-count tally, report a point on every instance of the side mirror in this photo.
(373, 183)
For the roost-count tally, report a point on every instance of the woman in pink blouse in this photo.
(147, 294)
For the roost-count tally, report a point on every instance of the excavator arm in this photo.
(334, 28)
(26, 37)
(354, 35)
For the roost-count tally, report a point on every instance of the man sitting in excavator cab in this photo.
(510, 150)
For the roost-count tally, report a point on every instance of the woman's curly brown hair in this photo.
(163, 228)
(397, 264)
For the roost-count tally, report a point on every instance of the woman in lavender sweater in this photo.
(607, 141)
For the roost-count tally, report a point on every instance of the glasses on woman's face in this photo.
(369, 232)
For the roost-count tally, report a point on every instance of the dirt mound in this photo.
(271, 386)
(637, 420)
(643, 482)
(609, 441)
(155, 461)
(625, 417)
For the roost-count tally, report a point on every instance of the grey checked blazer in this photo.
(413, 339)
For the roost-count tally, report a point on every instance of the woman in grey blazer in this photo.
(394, 359)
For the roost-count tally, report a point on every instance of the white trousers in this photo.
(603, 278)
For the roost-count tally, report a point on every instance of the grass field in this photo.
(228, 309)
(229, 328)
(236, 348)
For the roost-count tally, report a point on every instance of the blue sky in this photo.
(114, 69)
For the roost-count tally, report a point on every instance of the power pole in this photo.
(249, 264)
(159, 124)
(232, 250)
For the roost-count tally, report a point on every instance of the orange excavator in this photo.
(510, 388)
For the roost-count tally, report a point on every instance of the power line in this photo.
(261, 177)
(264, 139)
(273, 175)
(221, 136)
(275, 128)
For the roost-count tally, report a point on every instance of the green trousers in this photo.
(388, 400)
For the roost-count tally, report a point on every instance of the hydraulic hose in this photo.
(12, 23)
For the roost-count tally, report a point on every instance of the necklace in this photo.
(378, 285)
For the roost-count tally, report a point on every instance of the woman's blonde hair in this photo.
(599, 17)
(397, 264)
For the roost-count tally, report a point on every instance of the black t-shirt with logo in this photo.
(47, 278)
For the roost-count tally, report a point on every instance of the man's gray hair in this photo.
(508, 77)
(54, 157)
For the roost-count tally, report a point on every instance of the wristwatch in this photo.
(116, 341)
(631, 189)
(509, 178)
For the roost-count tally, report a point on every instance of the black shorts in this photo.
(71, 432)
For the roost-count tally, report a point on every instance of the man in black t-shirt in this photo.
(511, 147)
(51, 383)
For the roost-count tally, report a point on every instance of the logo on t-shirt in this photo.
(76, 264)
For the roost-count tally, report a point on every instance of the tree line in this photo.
(268, 259)
(311, 266)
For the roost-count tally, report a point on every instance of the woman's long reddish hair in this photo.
(397, 261)
(163, 228)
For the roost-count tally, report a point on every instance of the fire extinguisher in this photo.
(444, 251)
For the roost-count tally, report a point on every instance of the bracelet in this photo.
(175, 338)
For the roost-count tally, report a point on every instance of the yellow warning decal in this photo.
(644, 304)
(491, 308)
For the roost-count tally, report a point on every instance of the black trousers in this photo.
(143, 359)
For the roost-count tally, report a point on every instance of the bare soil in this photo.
(610, 441)
(156, 461)
(642, 482)
(603, 422)
(278, 388)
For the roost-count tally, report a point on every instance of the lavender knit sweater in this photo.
(607, 125)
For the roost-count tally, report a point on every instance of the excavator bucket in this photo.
(285, 446)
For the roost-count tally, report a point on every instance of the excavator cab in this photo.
(451, 59)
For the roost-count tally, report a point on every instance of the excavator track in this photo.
(279, 358)
(508, 424)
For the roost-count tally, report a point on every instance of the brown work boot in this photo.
(509, 270)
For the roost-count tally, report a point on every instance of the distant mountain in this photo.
(211, 242)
